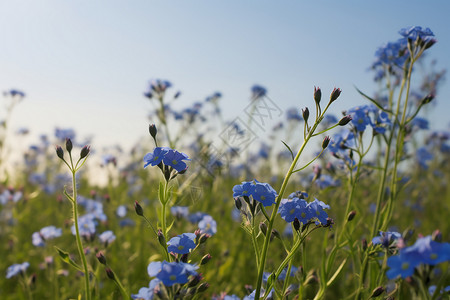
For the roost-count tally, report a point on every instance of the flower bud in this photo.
(161, 238)
(195, 280)
(296, 224)
(153, 131)
(69, 145)
(377, 292)
(335, 94)
(325, 142)
(276, 234)
(202, 287)
(351, 215)
(177, 94)
(60, 152)
(205, 259)
(85, 151)
(238, 203)
(101, 258)
(184, 258)
(203, 238)
(305, 113)
(138, 209)
(263, 227)
(427, 99)
(110, 273)
(437, 236)
(317, 95)
(345, 120)
(364, 244)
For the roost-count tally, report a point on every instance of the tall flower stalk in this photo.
(74, 167)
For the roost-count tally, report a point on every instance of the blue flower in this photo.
(420, 123)
(360, 120)
(158, 87)
(207, 225)
(386, 238)
(175, 159)
(86, 225)
(171, 273)
(182, 244)
(121, 211)
(264, 193)
(156, 157)
(179, 211)
(107, 237)
(401, 265)
(415, 32)
(423, 157)
(258, 91)
(293, 114)
(247, 188)
(295, 208)
(283, 273)
(317, 211)
(46, 233)
(147, 293)
(16, 269)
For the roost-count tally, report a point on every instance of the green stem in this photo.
(78, 238)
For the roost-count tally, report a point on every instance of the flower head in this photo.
(182, 244)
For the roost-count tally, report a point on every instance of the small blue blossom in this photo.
(258, 91)
(247, 188)
(156, 157)
(16, 269)
(45, 234)
(107, 237)
(171, 273)
(317, 211)
(423, 157)
(121, 211)
(207, 225)
(182, 244)
(415, 32)
(180, 211)
(386, 238)
(147, 293)
(294, 208)
(175, 159)
(264, 193)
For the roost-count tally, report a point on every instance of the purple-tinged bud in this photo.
(325, 142)
(138, 209)
(161, 238)
(317, 95)
(183, 171)
(427, 99)
(203, 238)
(195, 280)
(153, 131)
(69, 145)
(101, 258)
(110, 273)
(305, 113)
(351, 215)
(184, 258)
(377, 292)
(205, 259)
(364, 244)
(437, 236)
(202, 287)
(60, 152)
(177, 94)
(335, 94)
(276, 234)
(429, 43)
(296, 224)
(238, 203)
(345, 120)
(263, 228)
(85, 151)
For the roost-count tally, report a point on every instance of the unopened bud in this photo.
(335, 94)
(325, 142)
(377, 292)
(276, 234)
(202, 287)
(177, 94)
(60, 152)
(263, 227)
(138, 209)
(317, 95)
(101, 258)
(345, 120)
(296, 224)
(238, 203)
(195, 280)
(427, 99)
(437, 236)
(85, 151)
(69, 145)
(205, 259)
(110, 273)
(364, 244)
(351, 215)
(153, 131)
(305, 113)
(161, 238)
(203, 238)
(184, 258)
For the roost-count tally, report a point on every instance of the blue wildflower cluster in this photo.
(304, 212)
(425, 251)
(164, 156)
(261, 192)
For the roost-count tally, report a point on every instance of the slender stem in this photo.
(78, 238)
(278, 202)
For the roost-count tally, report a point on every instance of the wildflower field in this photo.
(351, 206)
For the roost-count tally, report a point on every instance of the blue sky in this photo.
(86, 64)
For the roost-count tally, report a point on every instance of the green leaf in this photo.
(292, 154)
(336, 273)
(66, 258)
(169, 227)
(373, 101)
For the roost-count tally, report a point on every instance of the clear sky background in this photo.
(85, 64)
